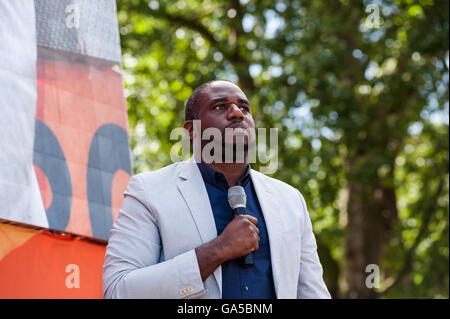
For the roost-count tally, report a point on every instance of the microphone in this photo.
(238, 201)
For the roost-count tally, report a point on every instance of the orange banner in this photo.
(37, 264)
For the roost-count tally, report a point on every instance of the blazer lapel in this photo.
(269, 207)
(193, 190)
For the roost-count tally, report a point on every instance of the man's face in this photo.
(224, 105)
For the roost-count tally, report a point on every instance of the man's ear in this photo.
(189, 126)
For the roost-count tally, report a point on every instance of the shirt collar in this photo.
(218, 180)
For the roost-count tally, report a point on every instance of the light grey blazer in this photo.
(166, 214)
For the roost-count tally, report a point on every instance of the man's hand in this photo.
(238, 239)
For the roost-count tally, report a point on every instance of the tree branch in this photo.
(407, 264)
(193, 25)
(231, 55)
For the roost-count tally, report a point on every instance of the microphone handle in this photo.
(247, 261)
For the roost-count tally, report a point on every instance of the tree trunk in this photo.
(371, 211)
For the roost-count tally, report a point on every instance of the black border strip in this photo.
(60, 233)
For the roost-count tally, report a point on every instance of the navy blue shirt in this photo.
(237, 282)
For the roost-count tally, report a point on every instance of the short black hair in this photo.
(193, 102)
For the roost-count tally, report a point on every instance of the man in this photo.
(177, 237)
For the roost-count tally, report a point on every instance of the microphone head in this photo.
(237, 197)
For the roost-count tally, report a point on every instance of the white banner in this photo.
(20, 199)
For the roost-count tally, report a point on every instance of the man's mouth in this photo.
(237, 125)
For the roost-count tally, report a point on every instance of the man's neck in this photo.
(232, 171)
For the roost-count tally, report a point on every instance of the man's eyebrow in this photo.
(243, 101)
(223, 99)
(219, 99)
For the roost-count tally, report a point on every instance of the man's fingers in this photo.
(254, 220)
(256, 229)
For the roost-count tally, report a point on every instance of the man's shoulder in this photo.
(164, 174)
(275, 184)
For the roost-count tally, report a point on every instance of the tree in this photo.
(359, 93)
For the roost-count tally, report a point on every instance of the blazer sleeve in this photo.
(132, 267)
(310, 283)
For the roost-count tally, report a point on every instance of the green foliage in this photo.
(352, 104)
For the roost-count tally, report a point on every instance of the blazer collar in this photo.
(193, 190)
(270, 209)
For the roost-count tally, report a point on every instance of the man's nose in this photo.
(234, 112)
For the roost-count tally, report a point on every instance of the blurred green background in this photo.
(359, 93)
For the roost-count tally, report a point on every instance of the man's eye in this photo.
(219, 107)
(245, 108)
